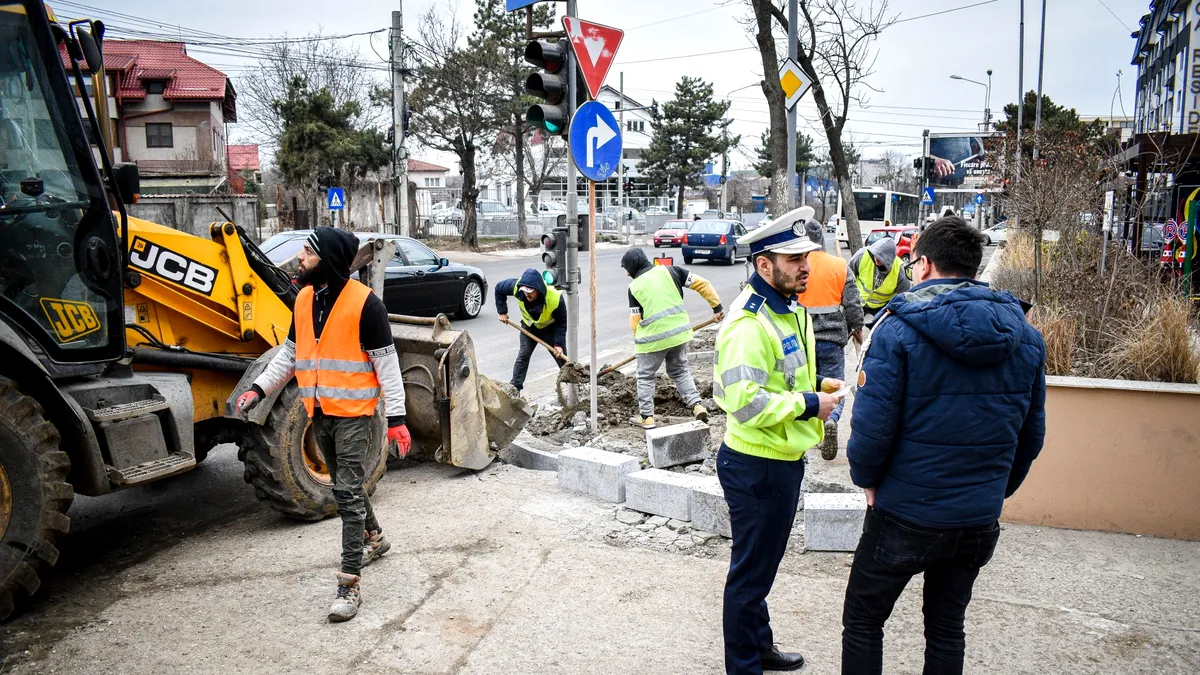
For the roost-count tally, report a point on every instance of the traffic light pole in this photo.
(399, 156)
(573, 276)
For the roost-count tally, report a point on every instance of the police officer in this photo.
(766, 381)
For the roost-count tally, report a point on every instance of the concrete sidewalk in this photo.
(500, 572)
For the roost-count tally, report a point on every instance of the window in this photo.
(635, 125)
(416, 253)
(433, 182)
(156, 87)
(158, 135)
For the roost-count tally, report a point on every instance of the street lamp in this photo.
(987, 97)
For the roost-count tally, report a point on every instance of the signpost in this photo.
(979, 199)
(335, 197)
(595, 140)
(927, 197)
(795, 83)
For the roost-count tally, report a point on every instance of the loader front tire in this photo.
(284, 465)
(34, 496)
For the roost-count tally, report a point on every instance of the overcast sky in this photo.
(1085, 47)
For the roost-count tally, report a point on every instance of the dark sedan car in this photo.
(716, 240)
(418, 281)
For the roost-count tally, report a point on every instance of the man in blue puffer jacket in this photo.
(948, 416)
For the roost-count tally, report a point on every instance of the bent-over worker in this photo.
(879, 275)
(543, 313)
(766, 380)
(662, 329)
(341, 352)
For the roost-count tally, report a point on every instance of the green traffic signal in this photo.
(551, 86)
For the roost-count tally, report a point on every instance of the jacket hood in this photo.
(965, 319)
(532, 279)
(884, 251)
(337, 249)
(635, 262)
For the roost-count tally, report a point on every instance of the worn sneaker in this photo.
(829, 446)
(700, 412)
(345, 605)
(374, 546)
(644, 422)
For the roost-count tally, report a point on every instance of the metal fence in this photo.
(496, 227)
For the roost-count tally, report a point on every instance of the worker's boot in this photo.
(700, 412)
(374, 546)
(829, 446)
(345, 605)
(644, 422)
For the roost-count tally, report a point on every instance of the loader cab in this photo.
(60, 262)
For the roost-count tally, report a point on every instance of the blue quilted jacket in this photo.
(951, 408)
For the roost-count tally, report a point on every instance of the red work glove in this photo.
(402, 438)
(247, 401)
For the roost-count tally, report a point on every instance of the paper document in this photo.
(841, 393)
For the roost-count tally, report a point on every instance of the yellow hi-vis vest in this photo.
(765, 363)
(549, 304)
(665, 323)
(875, 298)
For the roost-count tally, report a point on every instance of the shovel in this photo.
(608, 369)
(568, 392)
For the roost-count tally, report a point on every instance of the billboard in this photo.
(965, 162)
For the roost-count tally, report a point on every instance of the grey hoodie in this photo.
(884, 251)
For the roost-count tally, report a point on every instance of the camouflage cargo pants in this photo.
(343, 442)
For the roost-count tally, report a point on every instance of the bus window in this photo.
(871, 205)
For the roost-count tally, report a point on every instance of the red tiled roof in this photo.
(243, 157)
(418, 165)
(137, 61)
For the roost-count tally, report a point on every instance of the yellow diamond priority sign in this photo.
(795, 82)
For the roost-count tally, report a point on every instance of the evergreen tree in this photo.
(805, 156)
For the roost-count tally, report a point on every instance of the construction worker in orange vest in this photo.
(341, 352)
(833, 302)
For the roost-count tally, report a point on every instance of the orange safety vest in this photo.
(826, 281)
(334, 370)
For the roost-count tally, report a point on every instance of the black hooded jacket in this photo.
(636, 264)
(532, 279)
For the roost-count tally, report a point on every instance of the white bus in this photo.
(878, 207)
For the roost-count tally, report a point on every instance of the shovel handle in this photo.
(630, 359)
(538, 340)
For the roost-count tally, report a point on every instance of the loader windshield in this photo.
(56, 272)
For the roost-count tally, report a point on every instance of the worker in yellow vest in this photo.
(879, 275)
(543, 313)
(662, 329)
(833, 302)
(341, 352)
(766, 380)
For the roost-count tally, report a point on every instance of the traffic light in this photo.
(553, 116)
(925, 164)
(554, 255)
(583, 233)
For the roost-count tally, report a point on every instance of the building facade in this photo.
(1168, 75)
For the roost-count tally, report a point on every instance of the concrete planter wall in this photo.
(1119, 457)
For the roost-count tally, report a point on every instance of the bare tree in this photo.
(451, 103)
(837, 52)
(322, 64)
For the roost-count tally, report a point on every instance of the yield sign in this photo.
(595, 47)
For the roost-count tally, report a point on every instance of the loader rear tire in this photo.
(34, 496)
(279, 458)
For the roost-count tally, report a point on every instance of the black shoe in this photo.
(777, 660)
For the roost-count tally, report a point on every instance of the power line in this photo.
(1114, 15)
(676, 18)
(687, 56)
(945, 11)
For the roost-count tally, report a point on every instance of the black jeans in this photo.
(521, 365)
(762, 495)
(890, 552)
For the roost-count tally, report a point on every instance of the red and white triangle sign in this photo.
(595, 47)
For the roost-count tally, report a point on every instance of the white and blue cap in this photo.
(786, 235)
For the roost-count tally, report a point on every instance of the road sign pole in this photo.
(592, 304)
(572, 212)
(793, 50)
(627, 230)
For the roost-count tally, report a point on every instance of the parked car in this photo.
(834, 221)
(657, 211)
(712, 214)
(610, 219)
(672, 233)
(445, 212)
(551, 208)
(902, 234)
(996, 234)
(493, 210)
(715, 240)
(417, 281)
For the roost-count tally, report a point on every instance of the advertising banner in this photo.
(965, 162)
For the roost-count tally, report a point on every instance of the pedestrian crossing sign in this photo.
(337, 199)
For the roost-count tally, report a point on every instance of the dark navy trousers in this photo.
(762, 495)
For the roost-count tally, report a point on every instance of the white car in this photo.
(551, 208)
(996, 234)
(834, 221)
(493, 210)
(657, 211)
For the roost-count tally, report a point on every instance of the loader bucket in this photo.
(453, 411)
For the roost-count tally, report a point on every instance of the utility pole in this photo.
(1020, 83)
(399, 154)
(724, 169)
(574, 278)
(793, 52)
(1037, 120)
(621, 165)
